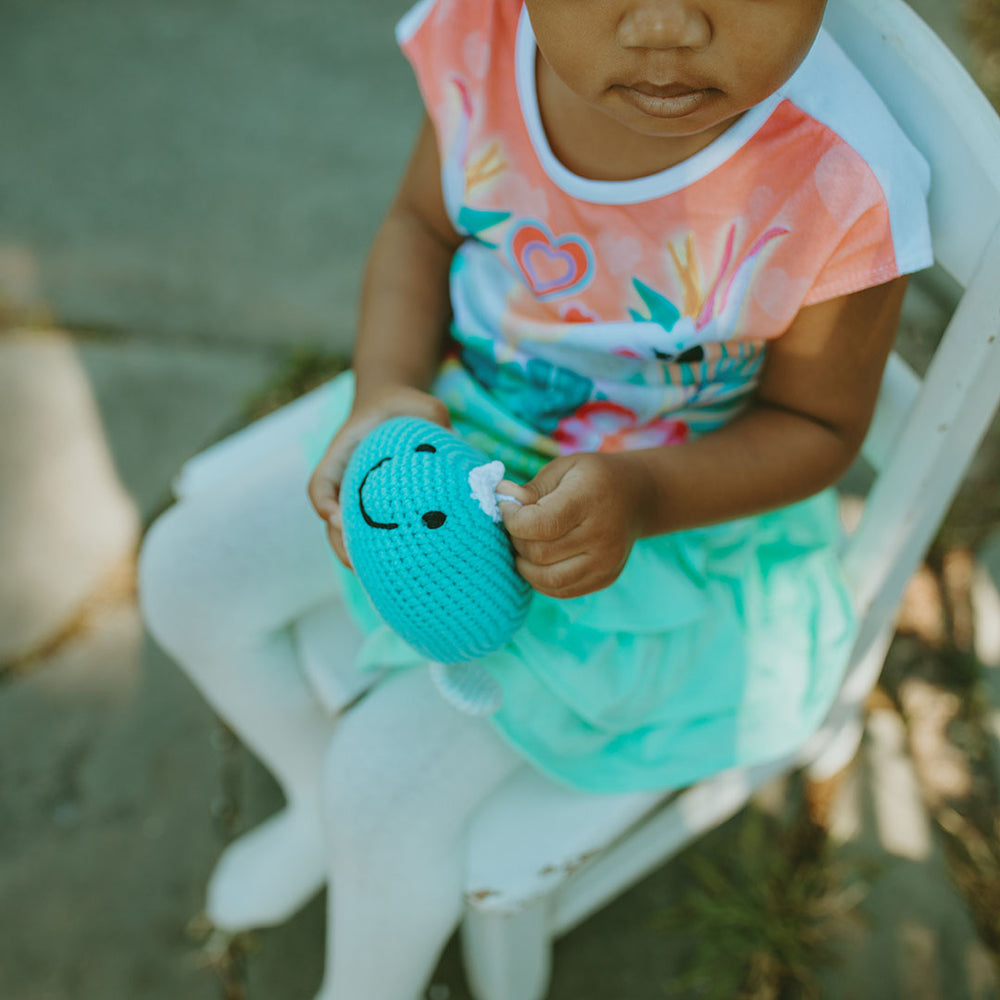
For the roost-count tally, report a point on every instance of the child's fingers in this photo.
(547, 513)
(324, 485)
(508, 488)
(544, 484)
(336, 539)
(331, 514)
(325, 499)
(548, 553)
(571, 577)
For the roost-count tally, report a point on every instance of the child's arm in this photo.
(811, 411)
(402, 322)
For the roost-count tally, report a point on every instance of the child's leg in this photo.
(405, 772)
(222, 576)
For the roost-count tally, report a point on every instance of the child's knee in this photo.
(347, 795)
(361, 790)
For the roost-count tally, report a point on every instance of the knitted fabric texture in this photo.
(437, 568)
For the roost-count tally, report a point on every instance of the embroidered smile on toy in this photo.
(425, 537)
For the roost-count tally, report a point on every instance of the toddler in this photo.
(651, 255)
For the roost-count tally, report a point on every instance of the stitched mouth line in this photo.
(386, 525)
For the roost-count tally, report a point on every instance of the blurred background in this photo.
(187, 192)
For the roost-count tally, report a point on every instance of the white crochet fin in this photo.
(483, 482)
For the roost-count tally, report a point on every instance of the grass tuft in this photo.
(302, 369)
(763, 917)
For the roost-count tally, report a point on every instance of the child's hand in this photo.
(580, 519)
(367, 414)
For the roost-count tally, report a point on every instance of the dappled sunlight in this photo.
(880, 803)
(900, 819)
(65, 518)
(96, 671)
(986, 612)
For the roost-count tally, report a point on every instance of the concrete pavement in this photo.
(198, 170)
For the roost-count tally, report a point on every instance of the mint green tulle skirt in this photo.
(717, 647)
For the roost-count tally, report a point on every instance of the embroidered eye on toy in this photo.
(423, 532)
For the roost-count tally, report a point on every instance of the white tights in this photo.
(378, 799)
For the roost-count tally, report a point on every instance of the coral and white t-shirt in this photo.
(607, 315)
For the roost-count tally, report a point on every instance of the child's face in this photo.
(673, 68)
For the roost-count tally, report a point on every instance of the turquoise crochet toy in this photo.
(422, 528)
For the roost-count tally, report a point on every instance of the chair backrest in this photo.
(920, 444)
(925, 433)
(941, 110)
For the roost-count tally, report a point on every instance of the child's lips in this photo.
(664, 89)
(671, 100)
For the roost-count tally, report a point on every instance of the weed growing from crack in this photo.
(764, 913)
(302, 369)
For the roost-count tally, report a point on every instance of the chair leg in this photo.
(508, 956)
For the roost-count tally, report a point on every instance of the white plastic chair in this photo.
(541, 859)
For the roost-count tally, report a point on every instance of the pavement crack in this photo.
(68, 792)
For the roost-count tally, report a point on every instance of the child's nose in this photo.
(664, 24)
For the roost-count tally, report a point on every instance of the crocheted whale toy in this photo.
(424, 534)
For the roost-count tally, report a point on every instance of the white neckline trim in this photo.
(409, 24)
(640, 189)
